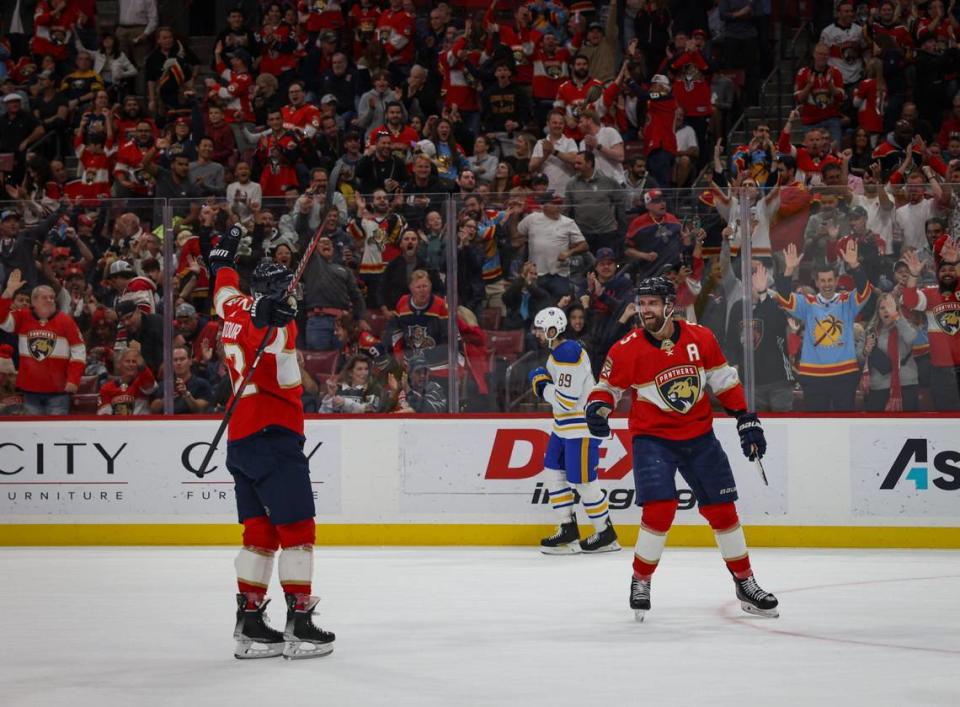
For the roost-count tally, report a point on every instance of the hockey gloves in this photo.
(752, 441)
(538, 379)
(226, 251)
(273, 311)
(597, 413)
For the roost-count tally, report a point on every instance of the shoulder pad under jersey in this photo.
(568, 352)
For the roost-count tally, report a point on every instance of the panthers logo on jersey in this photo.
(419, 338)
(41, 344)
(679, 387)
(947, 315)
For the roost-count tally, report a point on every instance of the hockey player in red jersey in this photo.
(668, 364)
(265, 457)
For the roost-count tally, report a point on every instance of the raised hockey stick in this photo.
(232, 406)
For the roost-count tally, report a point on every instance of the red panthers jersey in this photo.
(118, 398)
(669, 381)
(272, 397)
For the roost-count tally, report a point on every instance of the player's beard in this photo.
(653, 324)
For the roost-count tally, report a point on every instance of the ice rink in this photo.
(468, 626)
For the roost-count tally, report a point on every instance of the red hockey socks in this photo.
(296, 559)
(654, 525)
(733, 545)
(254, 563)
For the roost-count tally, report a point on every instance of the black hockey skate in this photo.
(604, 541)
(639, 597)
(566, 541)
(754, 600)
(303, 639)
(255, 639)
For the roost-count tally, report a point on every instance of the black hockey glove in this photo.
(226, 251)
(272, 311)
(752, 441)
(538, 379)
(597, 413)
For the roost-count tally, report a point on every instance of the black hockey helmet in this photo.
(271, 279)
(658, 287)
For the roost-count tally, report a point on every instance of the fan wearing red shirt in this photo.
(298, 114)
(130, 179)
(129, 393)
(665, 366)
(818, 92)
(402, 136)
(396, 28)
(572, 95)
(459, 85)
(52, 354)
(319, 15)
(520, 39)
(363, 24)
(265, 456)
(549, 71)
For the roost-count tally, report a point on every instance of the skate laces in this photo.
(751, 588)
(640, 588)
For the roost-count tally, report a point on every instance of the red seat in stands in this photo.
(319, 363)
(83, 404)
(506, 344)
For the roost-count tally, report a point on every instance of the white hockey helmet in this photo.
(550, 318)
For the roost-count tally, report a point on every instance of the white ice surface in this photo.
(467, 626)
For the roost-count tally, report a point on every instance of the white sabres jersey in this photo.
(569, 367)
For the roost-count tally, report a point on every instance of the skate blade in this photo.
(639, 615)
(612, 547)
(251, 650)
(294, 650)
(765, 613)
(571, 549)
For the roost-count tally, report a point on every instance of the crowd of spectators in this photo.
(553, 144)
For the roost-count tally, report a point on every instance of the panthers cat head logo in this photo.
(418, 337)
(679, 387)
(41, 344)
(949, 321)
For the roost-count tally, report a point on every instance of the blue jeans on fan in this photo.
(321, 333)
(47, 403)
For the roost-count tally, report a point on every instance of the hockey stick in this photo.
(760, 470)
(232, 406)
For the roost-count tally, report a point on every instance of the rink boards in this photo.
(851, 481)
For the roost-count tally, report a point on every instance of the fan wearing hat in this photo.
(116, 278)
(601, 45)
(659, 136)
(551, 240)
(53, 355)
(421, 393)
(18, 130)
(653, 238)
(232, 86)
(144, 329)
(870, 245)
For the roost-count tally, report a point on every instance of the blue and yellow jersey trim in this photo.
(568, 353)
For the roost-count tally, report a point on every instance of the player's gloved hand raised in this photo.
(597, 413)
(225, 253)
(273, 311)
(752, 441)
(538, 379)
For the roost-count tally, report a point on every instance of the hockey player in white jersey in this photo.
(572, 453)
